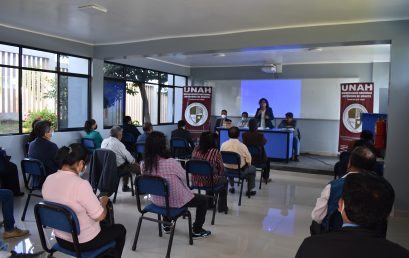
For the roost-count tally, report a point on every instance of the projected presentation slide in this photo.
(283, 96)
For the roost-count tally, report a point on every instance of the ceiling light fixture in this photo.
(315, 49)
(93, 8)
(219, 55)
(272, 68)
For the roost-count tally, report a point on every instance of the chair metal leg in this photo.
(23, 217)
(189, 222)
(132, 185)
(241, 190)
(159, 225)
(261, 179)
(137, 233)
(215, 201)
(116, 192)
(172, 233)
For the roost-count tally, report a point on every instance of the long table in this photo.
(279, 141)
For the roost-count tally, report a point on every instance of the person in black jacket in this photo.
(181, 132)
(264, 114)
(42, 148)
(131, 129)
(366, 201)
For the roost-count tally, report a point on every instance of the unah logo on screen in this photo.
(196, 114)
(351, 118)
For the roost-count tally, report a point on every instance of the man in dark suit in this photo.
(366, 201)
(220, 121)
(42, 148)
(181, 132)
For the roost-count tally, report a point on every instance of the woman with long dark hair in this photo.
(90, 128)
(206, 150)
(157, 162)
(264, 114)
(68, 188)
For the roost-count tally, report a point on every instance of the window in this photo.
(44, 85)
(114, 100)
(158, 89)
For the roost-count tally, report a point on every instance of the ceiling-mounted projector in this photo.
(272, 68)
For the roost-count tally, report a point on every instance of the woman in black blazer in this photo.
(268, 114)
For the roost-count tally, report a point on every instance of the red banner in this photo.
(197, 104)
(356, 98)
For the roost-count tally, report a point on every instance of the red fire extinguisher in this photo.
(380, 134)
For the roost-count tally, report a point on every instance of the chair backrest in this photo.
(198, 168)
(88, 143)
(33, 167)
(57, 216)
(232, 158)
(178, 143)
(140, 147)
(154, 185)
(103, 173)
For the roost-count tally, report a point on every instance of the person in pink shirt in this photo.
(68, 188)
(157, 162)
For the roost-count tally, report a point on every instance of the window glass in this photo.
(73, 102)
(178, 104)
(134, 103)
(8, 55)
(39, 59)
(151, 76)
(180, 81)
(166, 105)
(114, 102)
(135, 74)
(39, 97)
(71, 64)
(165, 79)
(152, 96)
(113, 71)
(9, 107)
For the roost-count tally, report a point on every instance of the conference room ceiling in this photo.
(257, 57)
(132, 21)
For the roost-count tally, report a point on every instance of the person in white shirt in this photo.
(362, 159)
(244, 122)
(235, 145)
(124, 160)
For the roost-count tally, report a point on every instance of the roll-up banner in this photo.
(197, 104)
(356, 98)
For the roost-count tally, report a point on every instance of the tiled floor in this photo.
(272, 224)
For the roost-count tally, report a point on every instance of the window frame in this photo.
(58, 73)
(145, 81)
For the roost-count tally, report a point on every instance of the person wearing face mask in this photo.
(181, 132)
(42, 148)
(362, 160)
(244, 122)
(365, 202)
(68, 188)
(90, 128)
(264, 114)
(221, 120)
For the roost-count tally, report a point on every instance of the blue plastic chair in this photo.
(140, 149)
(204, 168)
(153, 185)
(233, 158)
(63, 218)
(180, 145)
(88, 144)
(34, 175)
(256, 152)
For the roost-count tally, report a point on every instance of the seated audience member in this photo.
(157, 162)
(9, 174)
(42, 148)
(206, 150)
(90, 128)
(32, 135)
(7, 205)
(124, 159)
(361, 160)
(252, 137)
(244, 122)
(366, 201)
(181, 132)
(147, 129)
(365, 139)
(130, 128)
(220, 121)
(234, 145)
(290, 123)
(68, 188)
